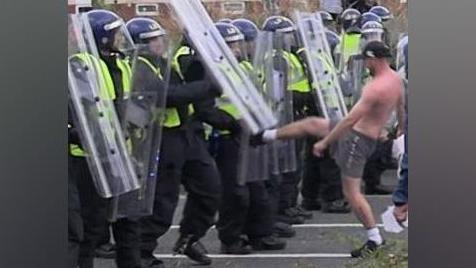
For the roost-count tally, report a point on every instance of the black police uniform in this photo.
(94, 208)
(321, 175)
(245, 209)
(75, 222)
(183, 159)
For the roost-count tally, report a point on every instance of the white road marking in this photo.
(314, 225)
(229, 256)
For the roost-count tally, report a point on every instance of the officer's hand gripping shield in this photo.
(144, 115)
(197, 25)
(271, 64)
(325, 80)
(102, 138)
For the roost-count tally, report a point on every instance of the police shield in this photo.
(103, 141)
(393, 29)
(144, 115)
(357, 73)
(253, 162)
(325, 80)
(272, 65)
(350, 67)
(194, 20)
(402, 54)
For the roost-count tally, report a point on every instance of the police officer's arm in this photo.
(189, 93)
(206, 111)
(197, 87)
(180, 94)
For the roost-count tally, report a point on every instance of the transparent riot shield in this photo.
(402, 49)
(144, 115)
(271, 64)
(198, 27)
(392, 33)
(350, 67)
(253, 162)
(349, 46)
(325, 81)
(358, 74)
(103, 142)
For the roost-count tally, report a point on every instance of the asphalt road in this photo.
(324, 241)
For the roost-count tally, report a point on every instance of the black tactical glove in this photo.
(257, 140)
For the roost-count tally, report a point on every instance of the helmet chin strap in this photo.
(110, 52)
(119, 53)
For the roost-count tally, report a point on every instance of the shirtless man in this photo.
(353, 139)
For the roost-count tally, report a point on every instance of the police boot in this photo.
(310, 204)
(290, 216)
(239, 247)
(267, 243)
(303, 212)
(152, 263)
(282, 229)
(378, 190)
(192, 248)
(336, 206)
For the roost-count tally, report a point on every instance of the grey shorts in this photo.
(352, 151)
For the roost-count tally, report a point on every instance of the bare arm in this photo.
(361, 108)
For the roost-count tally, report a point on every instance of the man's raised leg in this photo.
(313, 125)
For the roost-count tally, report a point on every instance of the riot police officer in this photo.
(285, 187)
(328, 21)
(107, 29)
(246, 207)
(183, 155)
(321, 187)
(250, 31)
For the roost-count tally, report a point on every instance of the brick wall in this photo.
(257, 12)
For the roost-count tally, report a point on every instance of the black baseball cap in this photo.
(375, 50)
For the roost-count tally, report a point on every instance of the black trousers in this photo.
(321, 179)
(289, 186)
(94, 211)
(288, 190)
(75, 222)
(184, 159)
(273, 187)
(245, 209)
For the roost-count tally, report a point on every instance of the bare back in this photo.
(385, 92)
